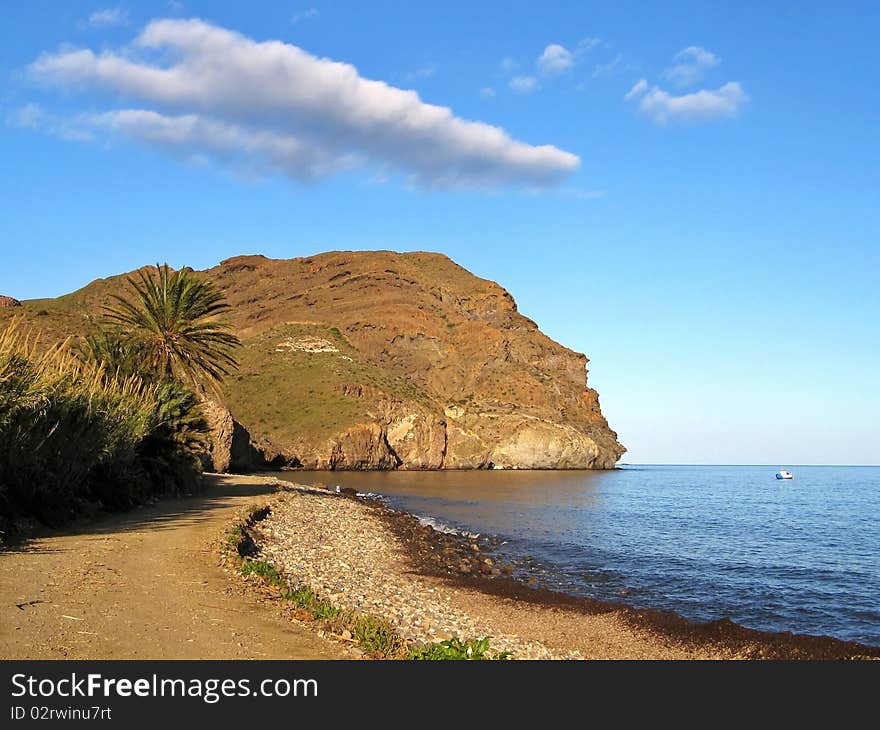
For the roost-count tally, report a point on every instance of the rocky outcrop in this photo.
(250, 454)
(221, 426)
(9, 302)
(363, 447)
(231, 447)
(543, 445)
(419, 440)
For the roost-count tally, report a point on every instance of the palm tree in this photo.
(172, 323)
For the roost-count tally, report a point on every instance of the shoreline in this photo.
(425, 545)
(455, 568)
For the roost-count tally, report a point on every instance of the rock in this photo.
(543, 445)
(231, 447)
(419, 441)
(9, 302)
(221, 428)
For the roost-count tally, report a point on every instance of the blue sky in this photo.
(686, 192)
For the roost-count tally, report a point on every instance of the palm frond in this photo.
(172, 318)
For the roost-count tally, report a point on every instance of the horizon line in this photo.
(654, 463)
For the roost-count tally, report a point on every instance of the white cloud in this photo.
(425, 72)
(175, 6)
(254, 152)
(587, 44)
(603, 69)
(307, 14)
(290, 111)
(30, 116)
(524, 84)
(107, 18)
(508, 65)
(661, 107)
(555, 60)
(691, 64)
(640, 87)
(487, 92)
(34, 117)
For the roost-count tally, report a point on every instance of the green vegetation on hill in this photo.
(280, 390)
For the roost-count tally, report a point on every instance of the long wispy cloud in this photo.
(198, 89)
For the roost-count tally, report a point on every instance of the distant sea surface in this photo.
(704, 541)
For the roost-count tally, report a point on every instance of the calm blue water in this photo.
(704, 541)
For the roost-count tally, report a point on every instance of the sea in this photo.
(706, 542)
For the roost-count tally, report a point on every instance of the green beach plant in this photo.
(457, 650)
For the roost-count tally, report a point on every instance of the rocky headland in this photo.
(380, 360)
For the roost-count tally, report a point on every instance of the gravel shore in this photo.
(342, 550)
(431, 586)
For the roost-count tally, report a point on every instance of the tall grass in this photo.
(73, 434)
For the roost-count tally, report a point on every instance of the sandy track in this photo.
(144, 585)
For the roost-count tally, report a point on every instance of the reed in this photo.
(75, 435)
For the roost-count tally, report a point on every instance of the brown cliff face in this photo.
(429, 366)
(381, 360)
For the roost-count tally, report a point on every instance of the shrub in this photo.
(456, 649)
(263, 569)
(72, 433)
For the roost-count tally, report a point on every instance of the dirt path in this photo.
(144, 585)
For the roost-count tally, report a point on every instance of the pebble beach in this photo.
(431, 586)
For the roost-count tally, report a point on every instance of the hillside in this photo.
(380, 360)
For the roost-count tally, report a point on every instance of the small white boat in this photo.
(783, 474)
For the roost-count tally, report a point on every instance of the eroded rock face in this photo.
(221, 427)
(363, 447)
(419, 441)
(232, 448)
(542, 445)
(9, 302)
